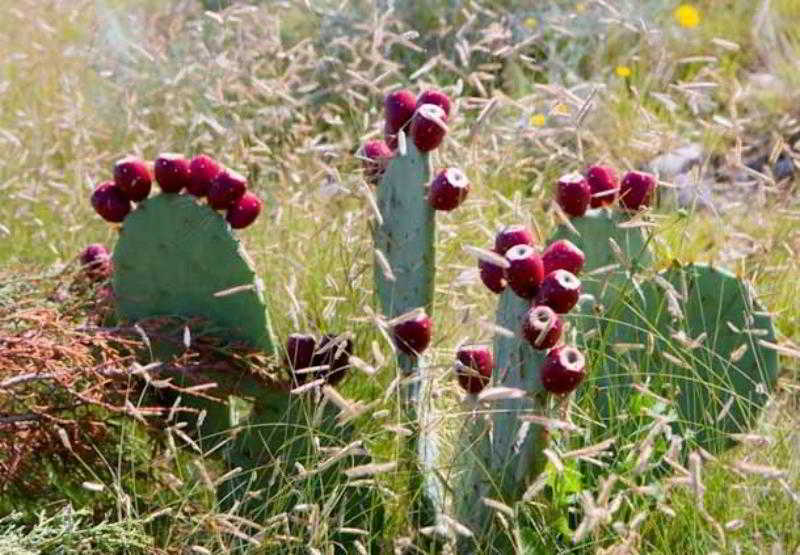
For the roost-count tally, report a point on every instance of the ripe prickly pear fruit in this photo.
(476, 367)
(172, 172)
(133, 178)
(511, 236)
(244, 211)
(562, 370)
(299, 354)
(636, 190)
(428, 127)
(437, 97)
(337, 358)
(573, 194)
(110, 203)
(398, 107)
(492, 276)
(202, 171)
(604, 185)
(379, 155)
(413, 335)
(525, 272)
(449, 189)
(542, 327)
(96, 262)
(563, 255)
(227, 188)
(560, 290)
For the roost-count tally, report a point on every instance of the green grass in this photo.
(85, 83)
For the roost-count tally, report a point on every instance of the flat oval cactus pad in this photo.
(695, 333)
(176, 257)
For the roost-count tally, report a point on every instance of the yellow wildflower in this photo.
(538, 120)
(687, 16)
(623, 71)
(560, 109)
(580, 7)
(531, 22)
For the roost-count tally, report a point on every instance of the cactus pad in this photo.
(695, 334)
(502, 463)
(595, 230)
(176, 257)
(407, 236)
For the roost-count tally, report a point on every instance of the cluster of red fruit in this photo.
(327, 359)
(600, 186)
(549, 281)
(424, 119)
(201, 176)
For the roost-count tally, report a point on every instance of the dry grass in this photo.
(286, 93)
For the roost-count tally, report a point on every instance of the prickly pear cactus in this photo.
(406, 239)
(500, 453)
(613, 252)
(176, 257)
(694, 332)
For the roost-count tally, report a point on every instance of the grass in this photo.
(286, 96)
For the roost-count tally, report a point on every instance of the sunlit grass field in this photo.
(285, 92)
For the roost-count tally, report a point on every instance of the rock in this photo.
(679, 161)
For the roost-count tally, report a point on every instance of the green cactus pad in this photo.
(174, 257)
(407, 240)
(407, 236)
(698, 345)
(501, 464)
(594, 231)
(288, 431)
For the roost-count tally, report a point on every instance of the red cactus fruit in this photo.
(511, 236)
(133, 178)
(299, 354)
(542, 327)
(244, 211)
(636, 190)
(398, 107)
(476, 367)
(573, 194)
(379, 155)
(434, 96)
(202, 171)
(413, 335)
(449, 189)
(172, 172)
(227, 188)
(337, 358)
(110, 203)
(563, 255)
(428, 127)
(562, 370)
(96, 262)
(560, 291)
(492, 275)
(604, 185)
(525, 272)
